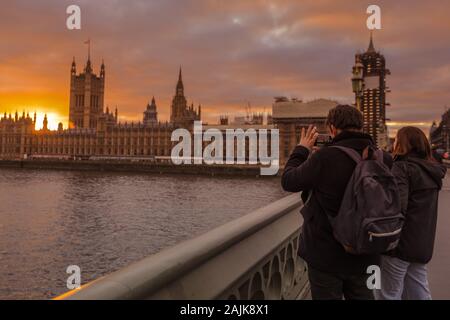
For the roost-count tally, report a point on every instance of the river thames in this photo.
(104, 221)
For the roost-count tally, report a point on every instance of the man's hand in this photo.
(308, 138)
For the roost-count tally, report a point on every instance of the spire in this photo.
(180, 86)
(371, 48)
(102, 69)
(152, 104)
(74, 67)
(45, 123)
(88, 64)
(150, 115)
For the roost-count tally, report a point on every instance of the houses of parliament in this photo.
(94, 130)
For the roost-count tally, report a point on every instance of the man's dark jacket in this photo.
(419, 182)
(326, 172)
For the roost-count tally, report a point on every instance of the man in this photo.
(323, 175)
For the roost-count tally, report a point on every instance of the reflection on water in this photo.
(104, 221)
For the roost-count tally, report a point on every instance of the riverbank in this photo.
(129, 166)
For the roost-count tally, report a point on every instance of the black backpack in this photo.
(369, 220)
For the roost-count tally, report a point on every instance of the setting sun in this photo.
(52, 118)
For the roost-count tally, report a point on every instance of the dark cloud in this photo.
(231, 52)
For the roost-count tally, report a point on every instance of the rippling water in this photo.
(104, 221)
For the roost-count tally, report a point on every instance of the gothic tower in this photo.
(369, 86)
(86, 96)
(181, 115)
(150, 114)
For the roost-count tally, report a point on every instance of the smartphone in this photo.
(322, 140)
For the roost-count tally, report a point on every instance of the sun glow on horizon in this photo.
(394, 126)
(53, 119)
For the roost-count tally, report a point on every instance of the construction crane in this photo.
(248, 110)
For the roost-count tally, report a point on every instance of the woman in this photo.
(419, 178)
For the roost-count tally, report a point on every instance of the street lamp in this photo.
(358, 82)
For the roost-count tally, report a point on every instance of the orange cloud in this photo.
(231, 51)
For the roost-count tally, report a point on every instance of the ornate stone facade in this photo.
(181, 115)
(86, 96)
(290, 116)
(440, 133)
(150, 114)
(94, 131)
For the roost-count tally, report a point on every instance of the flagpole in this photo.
(88, 42)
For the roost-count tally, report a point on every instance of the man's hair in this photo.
(345, 117)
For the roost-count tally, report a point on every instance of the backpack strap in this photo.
(379, 155)
(353, 154)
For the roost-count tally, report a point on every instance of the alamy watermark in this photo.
(374, 20)
(237, 150)
(74, 280)
(374, 280)
(73, 21)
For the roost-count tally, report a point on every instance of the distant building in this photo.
(86, 96)
(240, 120)
(433, 128)
(223, 120)
(246, 128)
(256, 118)
(182, 115)
(92, 130)
(290, 116)
(16, 133)
(369, 86)
(440, 133)
(150, 114)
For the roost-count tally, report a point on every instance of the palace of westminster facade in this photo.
(94, 130)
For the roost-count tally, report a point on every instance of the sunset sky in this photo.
(232, 52)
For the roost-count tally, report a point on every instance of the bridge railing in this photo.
(252, 257)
